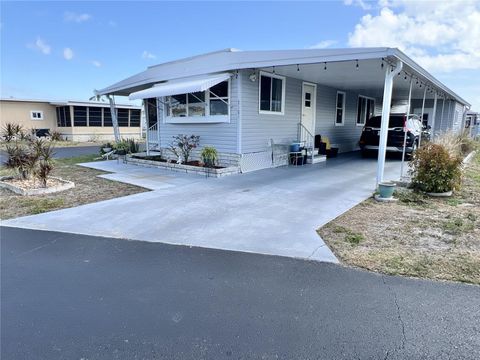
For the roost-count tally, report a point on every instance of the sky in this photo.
(66, 49)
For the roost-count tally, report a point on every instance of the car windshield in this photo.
(395, 121)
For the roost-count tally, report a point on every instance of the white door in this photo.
(309, 97)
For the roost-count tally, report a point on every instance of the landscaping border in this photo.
(210, 172)
(39, 191)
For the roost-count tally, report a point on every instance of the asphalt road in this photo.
(69, 296)
(65, 152)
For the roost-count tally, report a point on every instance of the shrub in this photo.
(55, 135)
(182, 145)
(209, 156)
(11, 131)
(21, 159)
(125, 146)
(456, 144)
(435, 169)
(34, 158)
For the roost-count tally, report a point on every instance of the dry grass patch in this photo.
(88, 189)
(417, 236)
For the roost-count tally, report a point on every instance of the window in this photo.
(63, 116)
(340, 109)
(79, 116)
(365, 109)
(107, 117)
(36, 115)
(210, 104)
(271, 93)
(134, 118)
(94, 116)
(122, 116)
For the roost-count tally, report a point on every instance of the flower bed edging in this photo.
(38, 191)
(190, 169)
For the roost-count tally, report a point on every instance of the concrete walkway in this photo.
(273, 211)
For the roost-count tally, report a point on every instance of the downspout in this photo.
(421, 115)
(387, 102)
(116, 130)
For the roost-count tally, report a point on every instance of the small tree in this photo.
(182, 145)
(44, 152)
(21, 159)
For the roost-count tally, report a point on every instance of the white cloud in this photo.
(70, 16)
(441, 36)
(96, 63)
(148, 55)
(365, 5)
(41, 46)
(68, 54)
(323, 44)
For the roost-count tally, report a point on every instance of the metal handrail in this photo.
(305, 135)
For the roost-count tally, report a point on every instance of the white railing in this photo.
(307, 139)
(152, 134)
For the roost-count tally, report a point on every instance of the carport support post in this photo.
(387, 102)
(116, 131)
(421, 115)
(405, 128)
(434, 115)
(441, 116)
(147, 127)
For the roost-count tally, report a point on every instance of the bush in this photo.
(456, 144)
(435, 169)
(55, 135)
(125, 146)
(11, 131)
(182, 146)
(209, 156)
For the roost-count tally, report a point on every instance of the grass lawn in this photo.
(417, 236)
(58, 144)
(88, 188)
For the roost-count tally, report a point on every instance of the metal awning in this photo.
(181, 86)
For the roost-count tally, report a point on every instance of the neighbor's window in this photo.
(134, 117)
(340, 108)
(365, 109)
(122, 117)
(36, 115)
(63, 116)
(94, 116)
(212, 102)
(107, 117)
(79, 116)
(272, 93)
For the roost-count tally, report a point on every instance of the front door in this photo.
(308, 108)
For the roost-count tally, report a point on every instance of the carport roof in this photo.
(231, 59)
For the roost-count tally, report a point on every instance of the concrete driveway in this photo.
(273, 211)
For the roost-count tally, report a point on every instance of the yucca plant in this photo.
(209, 156)
(11, 131)
(21, 159)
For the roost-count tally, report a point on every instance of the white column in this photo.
(387, 102)
(421, 115)
(405, 128)
(147, 127)
(441, 116)
(434, 116)
(116, 131)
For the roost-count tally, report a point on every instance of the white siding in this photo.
(258, 129)
(223, 136)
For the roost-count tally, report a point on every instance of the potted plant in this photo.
(209, 156)
(386, 189)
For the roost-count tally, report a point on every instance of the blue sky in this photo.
(59, 50)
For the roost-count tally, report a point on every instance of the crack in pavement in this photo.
(37, 248)
(399, 316)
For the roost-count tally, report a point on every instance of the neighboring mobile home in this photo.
(74, 120)
(242, 102)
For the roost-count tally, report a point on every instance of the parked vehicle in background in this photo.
(369, 139)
